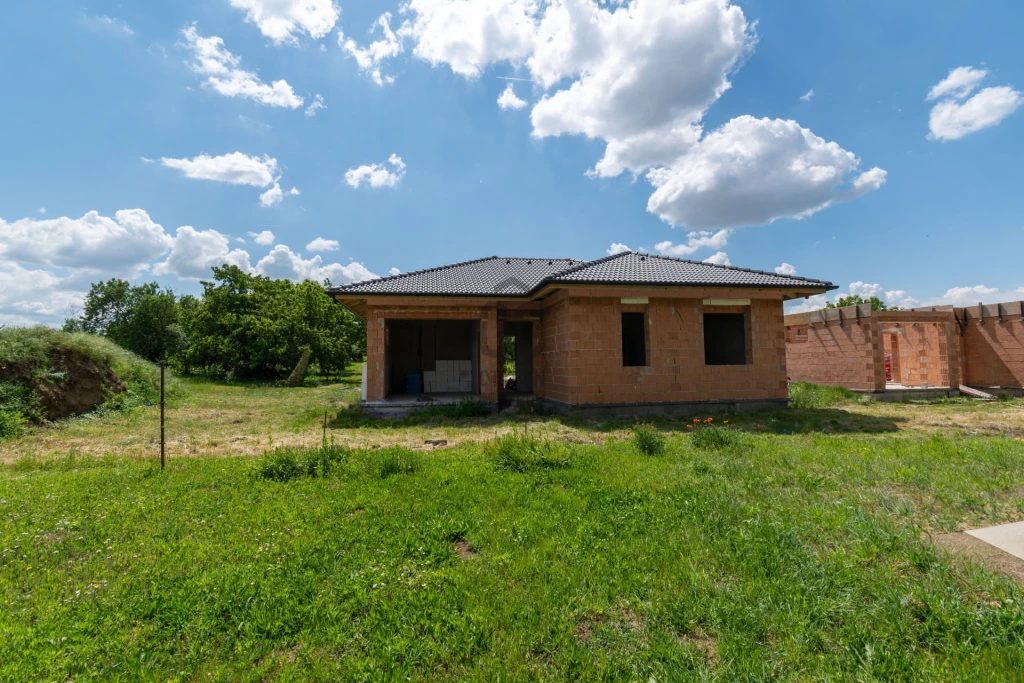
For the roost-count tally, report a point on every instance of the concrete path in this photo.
(1006, 537)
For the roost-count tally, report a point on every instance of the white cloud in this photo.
(754, 171)
(394, 271)
(196, 252)
(467, 35)
(952, 120)
(786, 269)
(220, 67)
(900, 298)
(719, 259)
(954, 296)
(282, 263)
(264, 238)
(960, 83)
(42, 209)
(969, 296)
(321, 244)
(866, 290)
(316, 105)
(118, 26)
(235, 168)
(696, 241)
(284, 20)
(673, 56)
(596, 59)
(371, 59)
(147, 160)
(811, 303)
(377, 175)
(30, 296)
(617, 248)
(275, 195)
(806, 97)
(509, 100)
(125, 243)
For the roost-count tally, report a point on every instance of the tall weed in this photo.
(648, 440)
(285, 464)
(516, 452)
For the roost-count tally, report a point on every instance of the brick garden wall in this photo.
(927, 354)
(993, 351)
(844, 353)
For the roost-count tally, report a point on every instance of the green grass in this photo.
(807, 395)
(799, 557)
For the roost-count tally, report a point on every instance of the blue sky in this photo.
(754, 133)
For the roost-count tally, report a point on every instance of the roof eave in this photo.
(811, 288)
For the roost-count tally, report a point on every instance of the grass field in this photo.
(791, 546)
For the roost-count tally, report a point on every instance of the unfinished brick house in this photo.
(630, 333)
(937, 350)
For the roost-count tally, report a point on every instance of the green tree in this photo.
(254, 327)
(142, 319)
(856, 300)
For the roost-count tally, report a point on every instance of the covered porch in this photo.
(434, 352)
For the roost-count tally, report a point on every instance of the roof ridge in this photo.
(585, 264)
(742, 270)
(387, 278)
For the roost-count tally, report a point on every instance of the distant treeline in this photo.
(242, 326)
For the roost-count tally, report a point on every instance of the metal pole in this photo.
(162, 367)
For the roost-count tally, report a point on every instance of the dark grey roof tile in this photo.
(521, 276)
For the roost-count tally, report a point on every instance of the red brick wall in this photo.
(842, 354)
(583, 353)
(555, 345)
(374, 356)
(994, 352)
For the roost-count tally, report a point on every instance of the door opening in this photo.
(508, 376)
(517, 358)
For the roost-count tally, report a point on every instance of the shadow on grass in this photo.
(790, 421)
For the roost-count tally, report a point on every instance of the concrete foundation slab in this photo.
(894, 393)
(1006, 537)
(400, 405)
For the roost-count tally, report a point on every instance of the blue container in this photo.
(414, 383)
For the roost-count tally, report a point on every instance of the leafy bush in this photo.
(807, 395)
(285, 464)
(12, 424)
(711, 437)
(515, 452)
(648, 440)
(19, 399)
(396, 460)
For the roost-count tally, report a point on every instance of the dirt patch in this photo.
(54, 537)
(583, 632)
(71, 383)
(630, 619)
(705, 644)
(989, 556)
(465, 550)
